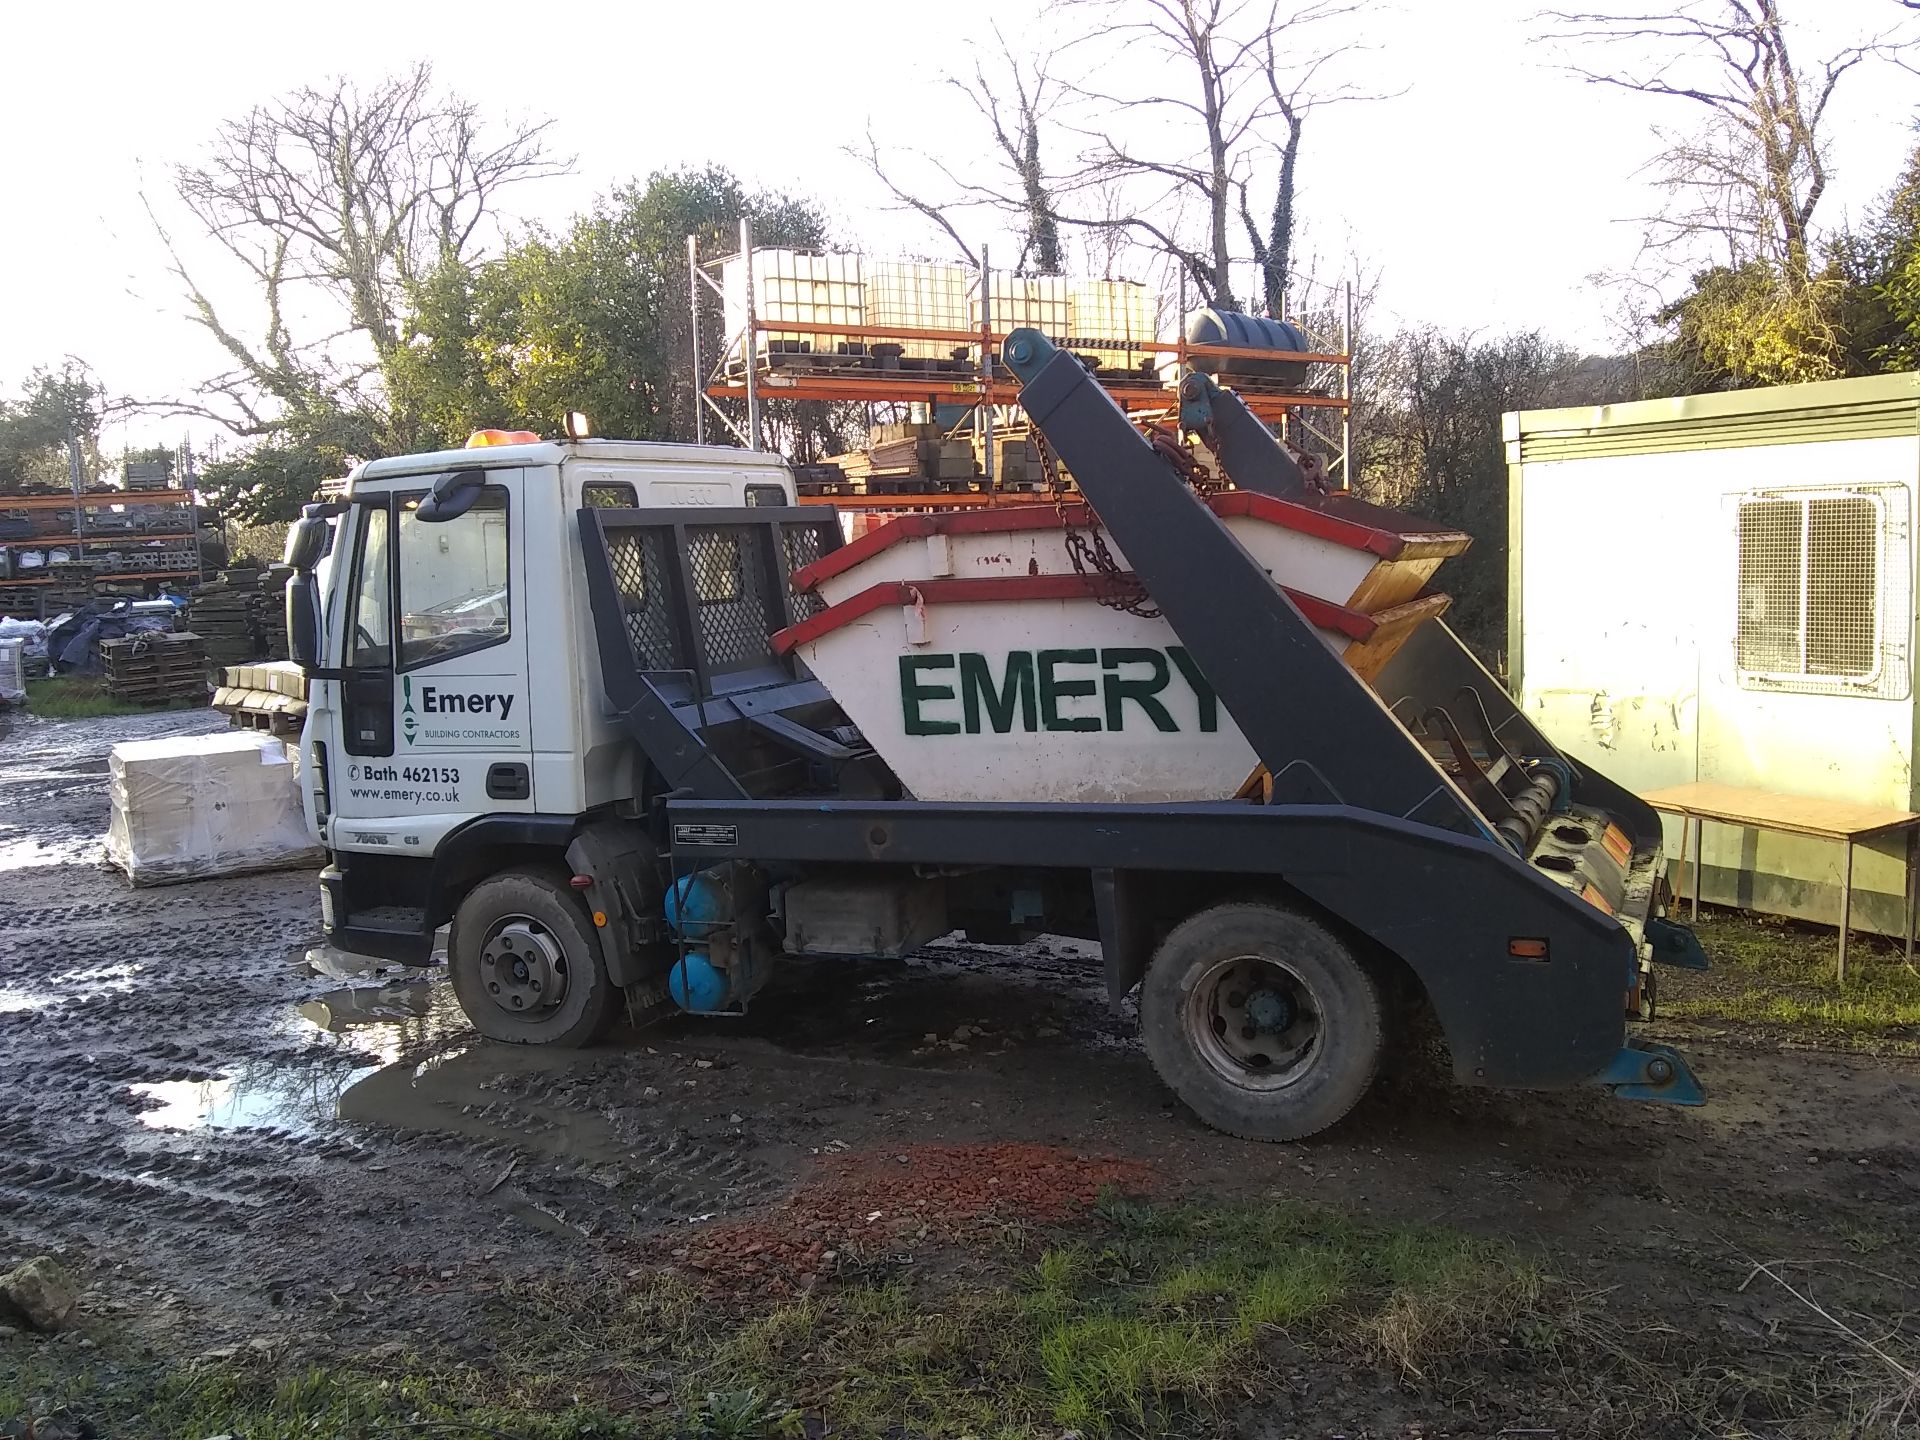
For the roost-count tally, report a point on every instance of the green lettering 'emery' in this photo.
(912, 693)
(1140, 689)
(1203, 692)
(1053, 690)
(977, 691)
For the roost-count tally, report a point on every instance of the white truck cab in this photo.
(456, 677)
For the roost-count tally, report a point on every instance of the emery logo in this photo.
(473, 702)
(439, 700)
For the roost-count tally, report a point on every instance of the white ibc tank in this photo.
(796, 287)
(917, 295)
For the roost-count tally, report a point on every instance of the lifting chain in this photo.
(1112, 586)
(1166, 443)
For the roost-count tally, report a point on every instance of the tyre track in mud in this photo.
(163, 1103)
(181, 1097)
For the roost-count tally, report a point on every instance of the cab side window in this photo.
(370, 624)
(454, 589)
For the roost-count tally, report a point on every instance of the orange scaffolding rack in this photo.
(741, 373)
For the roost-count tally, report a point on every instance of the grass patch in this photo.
(1136, 1326)
(1778, 975)
(79, 697)
(194, 1403)
(1103, 1368)
(1146, 1321)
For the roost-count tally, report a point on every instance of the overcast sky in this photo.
(1487, 194)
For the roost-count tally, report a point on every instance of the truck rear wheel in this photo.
(526, 963)
(1261, 1020)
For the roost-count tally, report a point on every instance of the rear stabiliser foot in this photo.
(1651, 1072)
(1675, 944)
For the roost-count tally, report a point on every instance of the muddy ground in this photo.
(234, 1147)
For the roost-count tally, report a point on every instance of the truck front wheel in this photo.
(526, 963)
(1261, 1020)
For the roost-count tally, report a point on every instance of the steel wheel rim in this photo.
(1255, 1022)
(523, 967)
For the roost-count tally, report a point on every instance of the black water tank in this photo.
(1230, 327)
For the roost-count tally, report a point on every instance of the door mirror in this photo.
(452, 496)
(303, 615)
(306, 542)
(310, 535)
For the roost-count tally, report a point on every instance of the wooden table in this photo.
(1842, 820)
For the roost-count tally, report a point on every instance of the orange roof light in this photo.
(480, 439)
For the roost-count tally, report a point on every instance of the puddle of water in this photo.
(356, 1007)
(386, 1023)
(298, 1098)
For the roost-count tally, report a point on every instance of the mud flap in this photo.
(620, 860)
(1648, 1071)
(1126, 937)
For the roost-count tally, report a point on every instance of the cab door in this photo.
(434, 724)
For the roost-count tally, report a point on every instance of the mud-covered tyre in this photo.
(526, 963)
(1261, 1020)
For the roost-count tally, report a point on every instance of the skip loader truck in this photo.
(638, 726)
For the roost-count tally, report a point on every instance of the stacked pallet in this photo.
(70, 584)
(147, 559)
(226, 613)
(1018, 466)
(942, 461)
(153, 668)
(270, 697)
(909, 458)
(825, 478)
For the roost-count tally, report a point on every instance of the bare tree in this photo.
(1015, 122)
(1751, 178)
(1015, 110)
(871, 156)
(336, 202)
(1240, 117)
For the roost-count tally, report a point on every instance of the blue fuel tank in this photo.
(1230, 327)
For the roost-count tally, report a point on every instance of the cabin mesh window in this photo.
(638, 561)
(1825, 591)
(716, 566)
(733, 611)
(804, 545)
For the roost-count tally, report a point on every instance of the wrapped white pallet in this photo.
(13, 671)
(191, 807)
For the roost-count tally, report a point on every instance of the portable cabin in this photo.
(1721, 588)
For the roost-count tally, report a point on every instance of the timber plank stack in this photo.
(70, 584)
(906, 459)
(153, 668)
(225, 612)
(272, 612)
